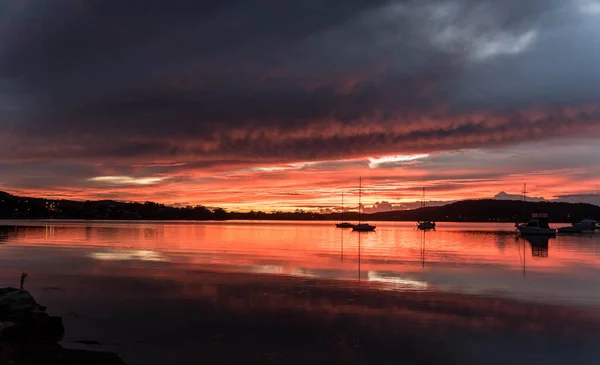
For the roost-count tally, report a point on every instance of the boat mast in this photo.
(423, 249)
(524, 244)
(524, 203)
(342, 207)
(359, 196)
(423, 198)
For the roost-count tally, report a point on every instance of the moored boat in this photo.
(425, 225)
(361, 227)
(570, 229)
(586, 225)
(344, 224)
(538, 225)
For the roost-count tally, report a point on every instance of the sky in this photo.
(283, 105)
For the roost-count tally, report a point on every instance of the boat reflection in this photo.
(539, 245)
(359, 235)
(342, 246)
(424, 232)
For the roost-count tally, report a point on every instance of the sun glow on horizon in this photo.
(394, 180)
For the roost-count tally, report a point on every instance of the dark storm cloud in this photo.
(579, 198)
(42, 174)
(285, 80)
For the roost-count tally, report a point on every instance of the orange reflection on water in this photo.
(218, 281)
(474, 258)
(393, 243)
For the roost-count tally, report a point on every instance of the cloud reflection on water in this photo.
(142, 255)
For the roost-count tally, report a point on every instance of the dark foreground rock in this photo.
(29, 335)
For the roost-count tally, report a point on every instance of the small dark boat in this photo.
(586, 225)
(538, 225)
(344, 224)
(572, 229)
(361, 227)
(364, 227)
(425, 225)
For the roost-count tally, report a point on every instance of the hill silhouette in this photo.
(491, 210)
(483, 210)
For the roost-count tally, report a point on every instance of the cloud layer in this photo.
(102, 94)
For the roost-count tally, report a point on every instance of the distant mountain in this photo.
(484, 210)
(504, 196)
(385, 206)
(492, 210)
(590, 198)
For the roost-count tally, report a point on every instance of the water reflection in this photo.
(142, 255)
(288, 292)
(3, 234)
(359, 238)
(342, 245)
(424, 233)
(539, 245)
(469, 258)
(302, 320)
(396, 281)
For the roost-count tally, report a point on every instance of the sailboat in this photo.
(361, 227)
(426, 224)
(343, 224)
(538, 224)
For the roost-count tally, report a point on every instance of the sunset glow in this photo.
(288, 110)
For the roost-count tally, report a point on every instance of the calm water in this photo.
(138, 286)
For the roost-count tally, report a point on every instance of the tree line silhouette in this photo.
(484, 210)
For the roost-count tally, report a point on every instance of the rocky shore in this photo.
(30, 336)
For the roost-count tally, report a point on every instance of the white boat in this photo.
(538, 225)
(361, 227)
(344, 224)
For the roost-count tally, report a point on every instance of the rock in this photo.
(8, 329)
(16, 304)
(24, 319)
(7, 290)
(48, 327)
(28, 335)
